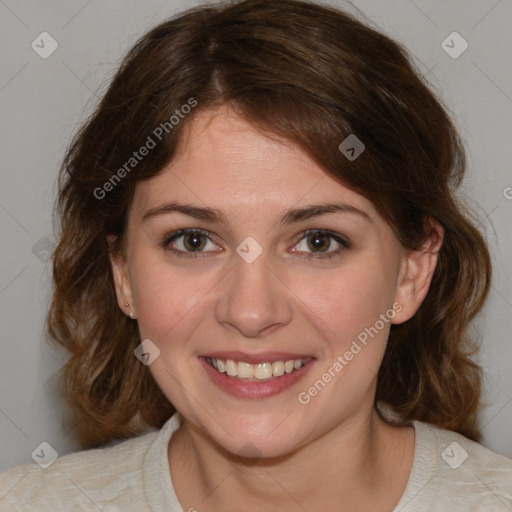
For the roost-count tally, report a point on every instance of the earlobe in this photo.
(121, 278)
(416, 272)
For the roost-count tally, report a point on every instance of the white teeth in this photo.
(259, 371)
(263, 371)
(278, 368)
(231, 368)
(245, 370)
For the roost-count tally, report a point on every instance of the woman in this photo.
(265, 280)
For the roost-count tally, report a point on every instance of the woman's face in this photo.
(254, 282)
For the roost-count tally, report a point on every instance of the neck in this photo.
(345, 469)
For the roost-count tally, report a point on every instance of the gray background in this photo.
(43, 100)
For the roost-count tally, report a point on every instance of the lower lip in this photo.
(265, 389)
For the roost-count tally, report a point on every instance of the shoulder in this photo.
(78, 481)
(451, 472)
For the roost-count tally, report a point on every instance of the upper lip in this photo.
(261, 357)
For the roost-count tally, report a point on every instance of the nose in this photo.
(254, 300)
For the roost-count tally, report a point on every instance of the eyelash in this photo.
(165, 244)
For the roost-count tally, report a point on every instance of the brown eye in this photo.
(194, 241)
(189, 243)
(319, 244)
(319, 241)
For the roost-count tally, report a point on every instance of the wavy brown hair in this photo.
(313, 75)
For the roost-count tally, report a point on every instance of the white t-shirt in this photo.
(449, 473)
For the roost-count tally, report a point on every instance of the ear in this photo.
(122, 282)
(417, 269)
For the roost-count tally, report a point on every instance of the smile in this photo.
(263, 371)
(262, 378)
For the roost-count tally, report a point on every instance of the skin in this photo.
(335, 452)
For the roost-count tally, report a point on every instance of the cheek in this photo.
(165, 299)
(347, 301)
(346, 308)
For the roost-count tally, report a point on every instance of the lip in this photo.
(254, 390)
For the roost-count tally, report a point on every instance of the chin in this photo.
(256, 437)
(253, 449)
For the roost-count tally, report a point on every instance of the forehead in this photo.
(225, 162)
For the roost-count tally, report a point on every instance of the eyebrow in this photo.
(289, 217)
